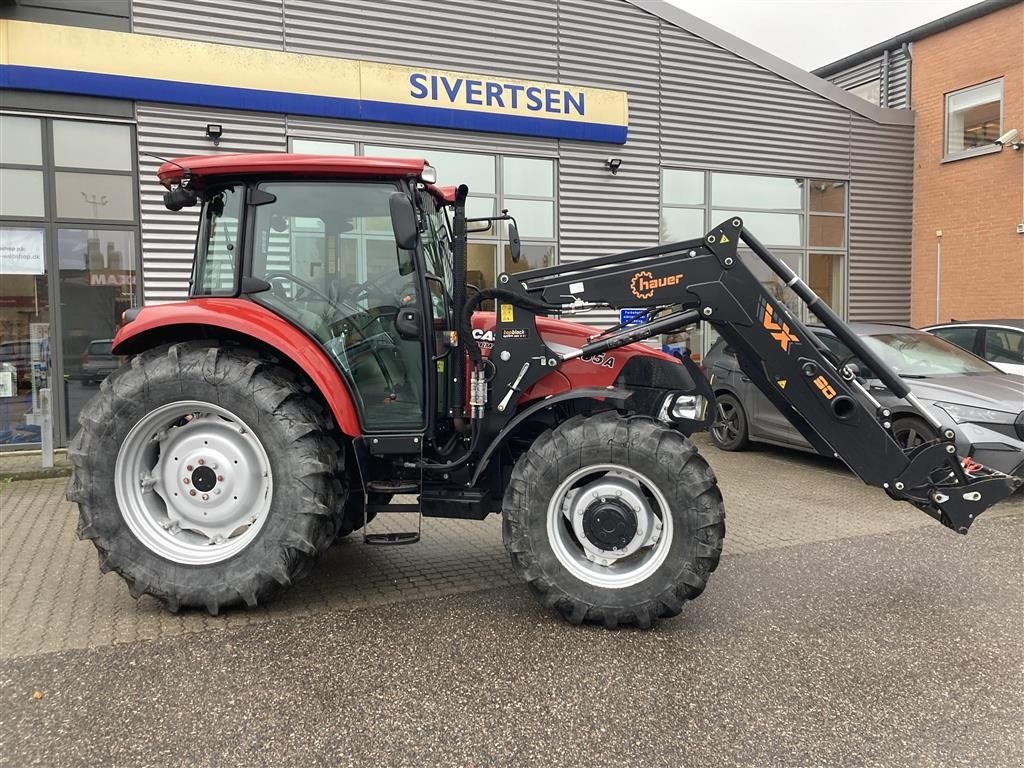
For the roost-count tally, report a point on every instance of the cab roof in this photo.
(201, 168)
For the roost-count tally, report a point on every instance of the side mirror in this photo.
(514, 246)
(403, 221)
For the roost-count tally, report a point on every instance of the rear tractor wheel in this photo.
(613, 519)
(204, 477)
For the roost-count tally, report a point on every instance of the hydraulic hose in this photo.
(466, 321)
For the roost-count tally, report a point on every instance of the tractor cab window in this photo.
(329, 255)
(217, 245)
(437, 256)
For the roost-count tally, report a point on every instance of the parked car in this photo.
(983, 405)
(1001, 342)
(18, 353)
(98, 361)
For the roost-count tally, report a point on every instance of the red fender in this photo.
(156, 325)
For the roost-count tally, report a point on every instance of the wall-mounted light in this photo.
(215, 131)
(612, 164)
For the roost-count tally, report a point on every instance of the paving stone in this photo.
(53, 597)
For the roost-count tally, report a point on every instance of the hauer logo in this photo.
(644, 284)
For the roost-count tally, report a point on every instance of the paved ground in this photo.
(841, 629)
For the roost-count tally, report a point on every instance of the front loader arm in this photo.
(705, 280)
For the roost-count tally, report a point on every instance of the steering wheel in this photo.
(356, 291)
(285, 275)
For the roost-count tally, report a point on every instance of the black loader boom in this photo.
(706, 280)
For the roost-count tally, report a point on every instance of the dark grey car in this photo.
(984, 406)
(98, 361)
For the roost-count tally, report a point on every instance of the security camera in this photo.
(1007, 138)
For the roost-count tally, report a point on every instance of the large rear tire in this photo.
(613, 519)
(205, 476)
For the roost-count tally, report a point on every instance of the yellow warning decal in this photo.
(508, 313)
(723, 239)
(781, 383)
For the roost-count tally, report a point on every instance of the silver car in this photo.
(1001, 342)
(984, 406)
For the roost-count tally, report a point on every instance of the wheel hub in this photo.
(611, 518)
(204, 479)
(194, 483)
(610, 524)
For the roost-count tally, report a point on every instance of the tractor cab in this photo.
(314, 242)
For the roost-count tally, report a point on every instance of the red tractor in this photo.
(331, 356)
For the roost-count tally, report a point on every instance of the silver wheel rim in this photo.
(585, 559)
(193, 483)
(726, 427)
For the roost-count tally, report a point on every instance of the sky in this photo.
(812, 33)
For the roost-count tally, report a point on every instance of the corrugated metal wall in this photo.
(691, 104)
(898, 94)
(601, 213)
(516, 39)
(168, 239)
(723, 112)
(253, 23)
(881, 210)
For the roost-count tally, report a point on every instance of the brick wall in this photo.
(977, 202)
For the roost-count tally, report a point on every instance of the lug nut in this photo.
(206, 497)
(192, 492)
(189, 467)
(201, 461)
(185, 480)
(216, 491)
(220, 478)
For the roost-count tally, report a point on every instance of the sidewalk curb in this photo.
(35, 474)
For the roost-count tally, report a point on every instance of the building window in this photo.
(318, 147)
(68, 263)
(869, 91)
(974, 118)
(803, 221)
(523, 185)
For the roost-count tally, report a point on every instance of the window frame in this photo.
(496, 235)
(802, 252)
(51, 223)
(963, 154)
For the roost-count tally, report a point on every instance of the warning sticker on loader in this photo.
(508, 313)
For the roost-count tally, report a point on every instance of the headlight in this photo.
(683, 407)
(428, 174)
(970, 413)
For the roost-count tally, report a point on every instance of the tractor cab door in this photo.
(328, 252)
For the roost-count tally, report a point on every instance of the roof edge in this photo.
(811, 82)
(949, 21)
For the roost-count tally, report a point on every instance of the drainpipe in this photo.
(908, 52)
(883, 96)
(938, 273)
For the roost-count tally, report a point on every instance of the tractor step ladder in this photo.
(375, 455)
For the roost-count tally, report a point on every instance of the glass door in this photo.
(96, 284)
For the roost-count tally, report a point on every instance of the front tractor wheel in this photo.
(204, 477)
(613, 519)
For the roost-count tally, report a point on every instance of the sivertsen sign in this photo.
(49, 57)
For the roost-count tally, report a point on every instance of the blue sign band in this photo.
(197, 94)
